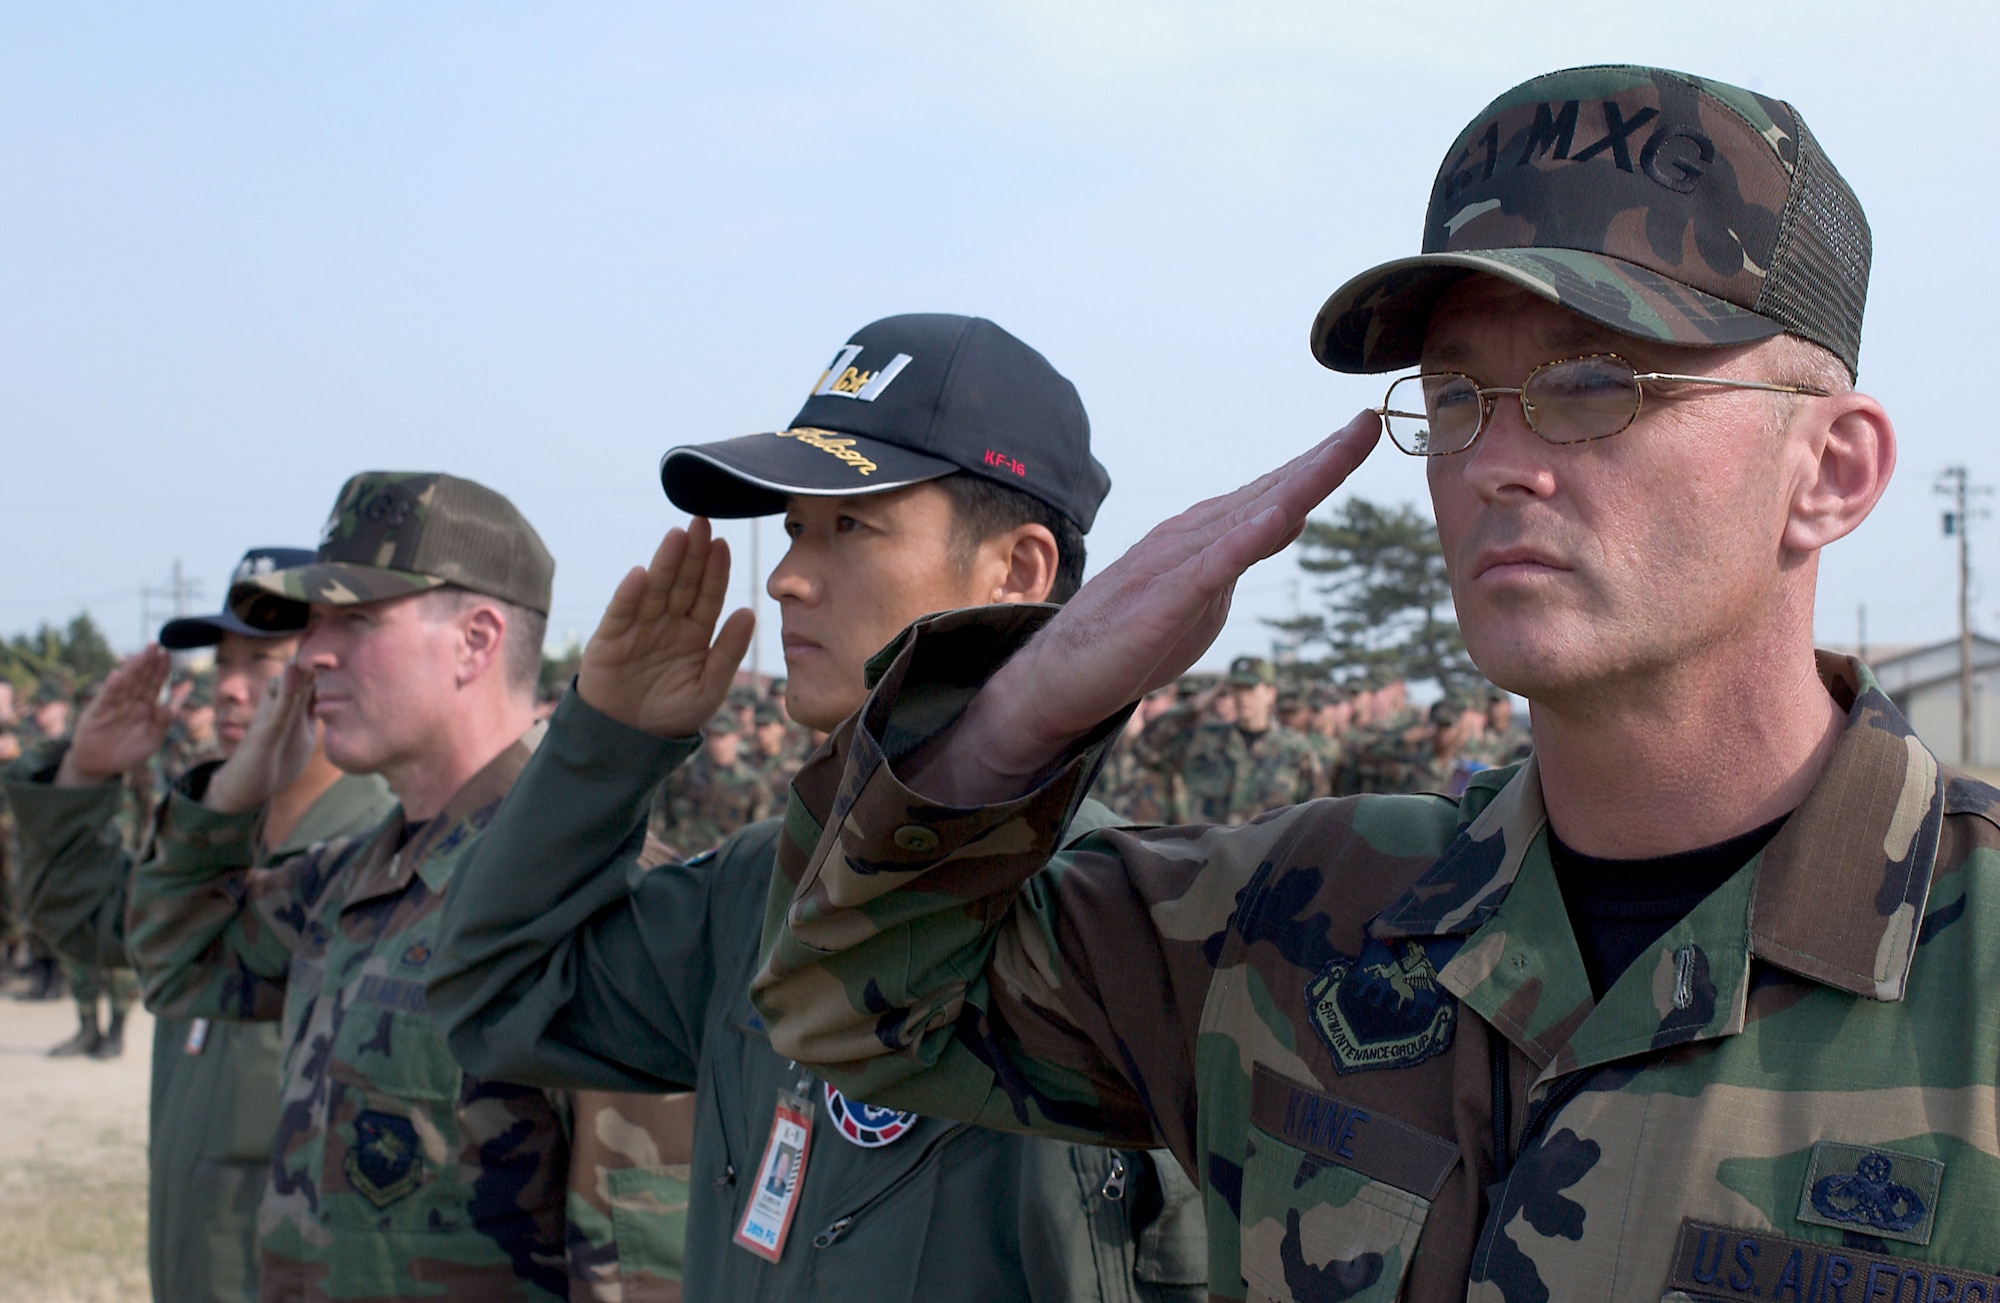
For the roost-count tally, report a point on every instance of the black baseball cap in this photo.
(908, 399)
(193, 631)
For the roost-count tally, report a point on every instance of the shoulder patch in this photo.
(864, 1124)
(1385, 1008)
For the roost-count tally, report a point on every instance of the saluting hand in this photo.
(656, 661)
(275, 748)
(125, 722)
(1135, 627)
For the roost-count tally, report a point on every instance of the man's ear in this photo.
(1025, 559)
(482, 633)
(1851, 452)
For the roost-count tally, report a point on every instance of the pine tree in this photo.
(1388, 601)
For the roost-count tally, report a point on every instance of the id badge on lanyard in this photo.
(774, 1196)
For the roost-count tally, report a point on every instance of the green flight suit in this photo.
(562, 961)
(392, 1174)
(1368, 1027)
(214, 1103)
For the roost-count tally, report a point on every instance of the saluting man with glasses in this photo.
(1696, 1002)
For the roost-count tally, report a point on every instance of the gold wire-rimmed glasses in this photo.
(1569, 400)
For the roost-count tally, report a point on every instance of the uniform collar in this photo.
(1838, 894)
(388, 868)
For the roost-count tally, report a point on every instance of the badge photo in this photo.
(774, 1195)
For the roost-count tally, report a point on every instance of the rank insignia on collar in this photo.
(385, 1163)
(1873, 1191)
(864, 1124)
(1385, 1008)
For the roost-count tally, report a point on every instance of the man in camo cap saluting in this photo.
(393, 1174)
(1696, 1002)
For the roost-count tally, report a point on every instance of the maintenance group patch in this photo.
(1385, 1008)
(864, 1124)
(1728, 1262)
(385, 1163)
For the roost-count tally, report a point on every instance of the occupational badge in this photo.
(1385, 1008)
(1874, 1191)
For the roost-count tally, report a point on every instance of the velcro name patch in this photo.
(1379, 1147)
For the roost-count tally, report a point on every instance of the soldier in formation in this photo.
(717, 792)
(1231, 771)
(393, 1174)
(214, 1084)
(566, 960)
(1698, 1001)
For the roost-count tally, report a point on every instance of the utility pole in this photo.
(756, 605)
(1861, 633)
(1956, 486)
(179, 594)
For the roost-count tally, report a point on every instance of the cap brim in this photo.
(192, 631)
(1376, 321)
(278, 601)
(754, 474)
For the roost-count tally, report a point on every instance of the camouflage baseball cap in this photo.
(393, 533)
(1663, 206)
(1249, 671)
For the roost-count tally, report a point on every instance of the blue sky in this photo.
(249, 249)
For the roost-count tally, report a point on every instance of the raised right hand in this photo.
(274, 751)
(651, 664)
(1136, 626)
(125, 722)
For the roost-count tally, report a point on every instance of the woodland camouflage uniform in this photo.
(394, 1174)
(1363, 1024)
(1226, 775)
(702, 802)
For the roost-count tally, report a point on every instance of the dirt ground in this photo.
(72, 1161)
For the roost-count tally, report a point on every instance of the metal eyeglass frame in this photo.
(1640, 379)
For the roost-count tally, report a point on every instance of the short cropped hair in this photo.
(521, 646)
(982, 508)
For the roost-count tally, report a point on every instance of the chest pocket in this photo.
(1334, 1196)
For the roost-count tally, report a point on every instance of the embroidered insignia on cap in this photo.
(864, 1124)
(1385, 1009)
(383, 1165)
(1874, 1191)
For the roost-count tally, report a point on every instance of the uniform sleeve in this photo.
(563, 960)
(211, 936)
(961, 963)
(73, 868)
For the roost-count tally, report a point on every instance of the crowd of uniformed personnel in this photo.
(1225, 750)
(29, 968)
